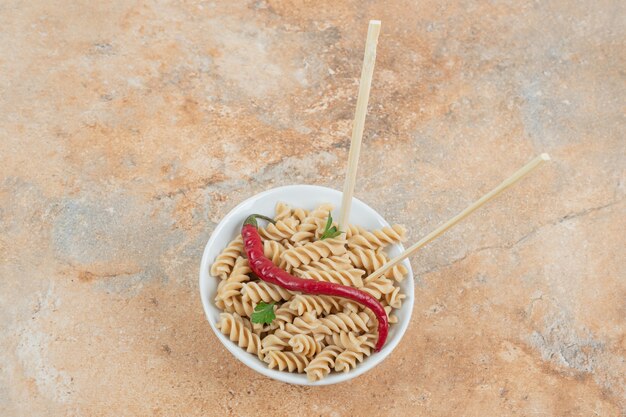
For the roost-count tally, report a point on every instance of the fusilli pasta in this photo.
(314, 251)
(278, 340)
(299, 214)
(226, 260)
(239, 306)
(397, 272)
(348, 359)
(347, 340)
(303, 325)
(378, 238)
(305, 233)
(320, 304)
(344, 277)
(257, 291)
(306, 345)
(291, 361)
(335, 323)
(394, 298)
(282, 211)
(231, 286)
(368, 259)
(378, 286)
(284, 314)
(273, 250)
(352, 230)
(323, 362)
(333, 263)
(282, 229)
(315, 334)
(239, 330)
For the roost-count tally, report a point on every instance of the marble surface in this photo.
(128, 129)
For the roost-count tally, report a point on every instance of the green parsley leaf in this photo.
(263, 313)
(329, 222)
(331, 233)
(329, 230)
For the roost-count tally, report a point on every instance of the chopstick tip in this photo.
(545, 156)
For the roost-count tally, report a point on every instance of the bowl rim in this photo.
(293, 378)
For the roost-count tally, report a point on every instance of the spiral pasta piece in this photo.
(348, 359)
(395, 297)
(306, 324)
(281, 211)
(320, 304)
(350, 277)
(273, 251)
(378, 286)
(321, 226)
(322, 363)
(348, 306)
(239, 306)
(314, 251)
(282, 229)
(352, 230)
(305, 232)
(391, 235)
(368, 259)
(305, 345)
(300, 214)
(220, 304)
(279, 340)
(378, 238)
(333, 263)
(290, 361)
(347, 340)
(369, 343)
(264, 291)
(231, 286)
(225, 261)
(392, 318)
(260, 329)
(323, 304)
(313, 225)
(284, 314)
(287, 244)
(321, 211)
(239, 330)
(397, 273)
(320, 214)
(335, 323)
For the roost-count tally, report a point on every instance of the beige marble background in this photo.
(128, 129)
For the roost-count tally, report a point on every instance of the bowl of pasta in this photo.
(306, 339)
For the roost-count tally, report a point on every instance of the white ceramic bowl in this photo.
(308, 197)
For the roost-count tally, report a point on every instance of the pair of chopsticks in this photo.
(355, 148)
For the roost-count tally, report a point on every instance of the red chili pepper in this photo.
(267, 271)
